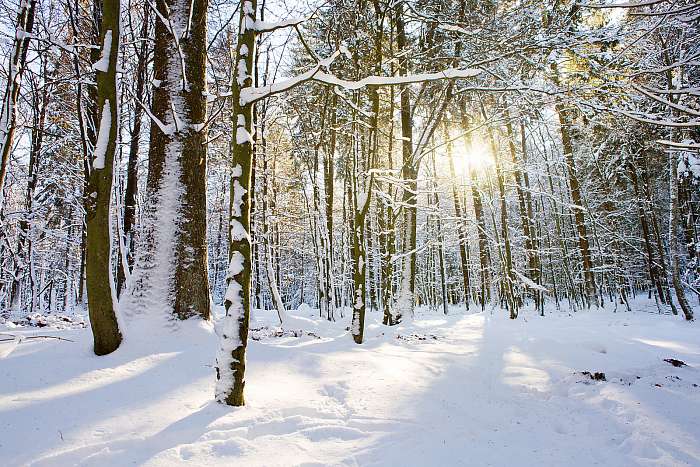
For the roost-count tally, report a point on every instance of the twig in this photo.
(21, 338)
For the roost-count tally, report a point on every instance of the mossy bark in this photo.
(237, 301)
(103, 319)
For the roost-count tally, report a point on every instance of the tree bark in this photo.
(8, 112)
(576, 199)
(131, 190)
(459, 214)
(24, 237)
(406, 300)
(176, 181)
(233, 329)
(101, 297)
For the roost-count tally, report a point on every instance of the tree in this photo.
(8, 112)
(100, 288)
(233, 327)
(172, 269)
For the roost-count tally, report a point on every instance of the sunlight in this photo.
(520, 370)
(476, 156)
(670, 345)
(89, 381)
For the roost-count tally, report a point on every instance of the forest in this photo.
(349, 202)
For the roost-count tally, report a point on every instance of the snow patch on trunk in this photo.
(103, 137)
(103, 63)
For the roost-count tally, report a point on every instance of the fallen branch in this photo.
(15, 337)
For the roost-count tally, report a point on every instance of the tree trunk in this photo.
(132, 167)
(174, 256)
(101, 297)
(406, 300)
(673, 247)
(233, 328)
(388, 231)
(359, 256)
(674, 214)
(24, 234)
(441, 242)
(8, 112)
(644, 223)
(525, 220)
(484, 255)
(328, 179)
(459, 214)
(509, 275)
(576, 199)
(360, 202)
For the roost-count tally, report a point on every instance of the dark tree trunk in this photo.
(178, 149)
(233, 332)
(103, 320)
(8, 112)
(131, 190)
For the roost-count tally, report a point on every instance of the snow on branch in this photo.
(669, 103)
(450, 73)
(690, 145)
(166, 129)
(266, 26)
(250, 95)
(529, 283)
(622, 4)
(11, 341)
(660, 122)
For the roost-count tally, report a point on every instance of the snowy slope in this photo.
(472, 389)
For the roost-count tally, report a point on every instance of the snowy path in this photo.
(485, 391)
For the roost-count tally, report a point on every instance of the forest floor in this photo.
(465, 389)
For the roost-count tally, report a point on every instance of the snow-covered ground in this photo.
(466, 389)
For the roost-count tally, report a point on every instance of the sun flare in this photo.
(474, 156)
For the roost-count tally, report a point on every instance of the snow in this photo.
(229, 340)
(227, 328)
(238, 232)
(242, 74)
(267, 26)
(150, 291)
(235, 266)
(103, 63)
(103, 137)
(248, 21)
(243, 136)
(689, 164)
(21, 34)
(529, 283)
(453, 28)
(462, 389)
(250, 94)
(450, 73)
